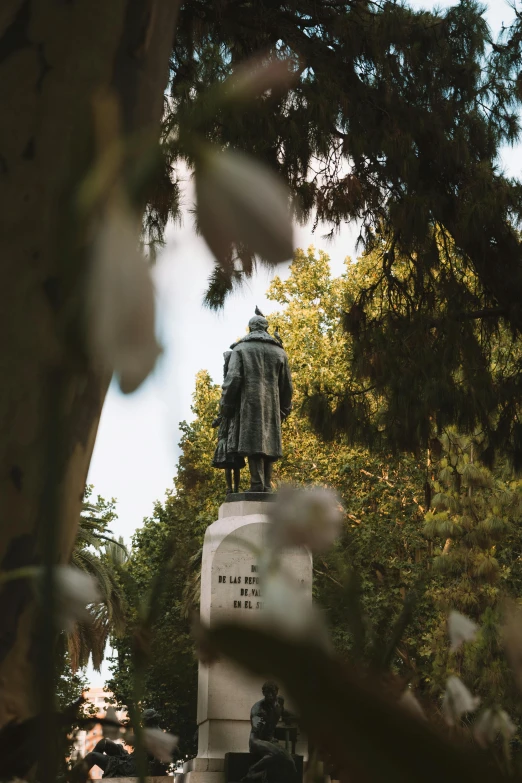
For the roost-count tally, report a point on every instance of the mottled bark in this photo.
(54, 56)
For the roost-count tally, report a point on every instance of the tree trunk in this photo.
(54, 56)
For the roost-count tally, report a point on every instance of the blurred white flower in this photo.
(309, 517)
(120, 302)
(460, 629)
(259, 74)
(410, 703)
(75, 590)
(111, 732)
(288, 611)
(491, 723)
(457, 701)
(242, 201)
(160, 744)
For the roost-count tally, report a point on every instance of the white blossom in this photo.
(242, 201)
(120, 302)
(309, 517)
(457, 701)
(460, 629)
(75, 591)
(111, 732)
(410, 703)
(257, 75)
(160, 744)
(491, 723)
(287, 611)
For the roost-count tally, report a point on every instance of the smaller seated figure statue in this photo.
(112, 758)
(273, 763)
(232, 463)
(116, 761)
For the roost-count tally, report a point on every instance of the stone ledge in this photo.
(204, 764)
(149, 779)
(245, 504)
(261, 497)
(238, 764)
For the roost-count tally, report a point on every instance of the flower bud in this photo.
(239, 201)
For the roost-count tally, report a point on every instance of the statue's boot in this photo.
(268, 475)
(228, 479)
(237, 475)
(256, 465)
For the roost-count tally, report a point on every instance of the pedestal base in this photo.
(238, 764)
(155, 779)
(204, 770)
(252, 497)
(231, 591)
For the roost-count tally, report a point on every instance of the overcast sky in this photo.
(136, 450)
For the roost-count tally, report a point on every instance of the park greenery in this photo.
(99, 555)
(407, 368)
(396, 122)
(423, 534)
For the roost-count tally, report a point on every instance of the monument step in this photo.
(238, 764)
(149, 779)
(262, 497)
(202, 764)
(242, 504)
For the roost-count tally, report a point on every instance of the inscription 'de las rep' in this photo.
(251, 592)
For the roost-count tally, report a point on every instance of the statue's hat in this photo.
(258, 323)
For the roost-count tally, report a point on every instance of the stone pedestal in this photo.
(149, 779)
(230, 590)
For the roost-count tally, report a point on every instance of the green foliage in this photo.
(417, 363)
(70, 684)
(395, 120)
(175, 530)
(69, 687)
(335, 702)
(473, 526)
(385, 596)
(382, 539)
(99, 555)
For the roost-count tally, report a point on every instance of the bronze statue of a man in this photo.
(274, 764)
(256, 398)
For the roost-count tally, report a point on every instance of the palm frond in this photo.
(116, 551)
(99, 554)
(95, 566)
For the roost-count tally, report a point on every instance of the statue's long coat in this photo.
(257, 393)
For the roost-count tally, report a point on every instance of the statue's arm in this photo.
(285, 389)
(256, 719)
(232, 384)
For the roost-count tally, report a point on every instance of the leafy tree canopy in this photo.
(97, 553)
(411, 529)
(383, 537)
(176, 530)
(395, 120)
(417, 363)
